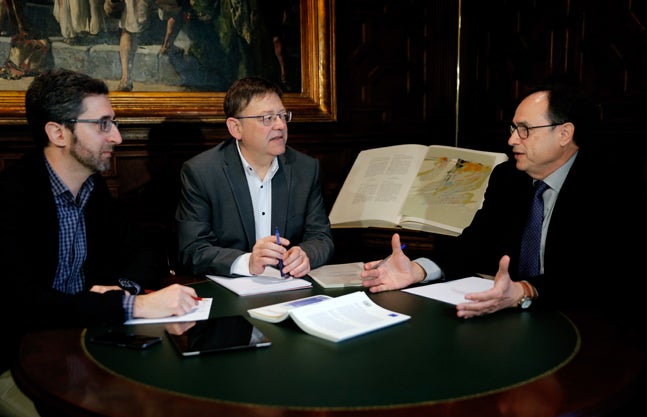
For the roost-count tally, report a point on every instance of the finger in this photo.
(378, 288)
(190, 291)
(504, 264)
(370, 265)
(395, 243)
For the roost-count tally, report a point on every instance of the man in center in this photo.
(236, 194)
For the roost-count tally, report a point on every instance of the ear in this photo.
(234, 127)
(567, 130)
(56, 134)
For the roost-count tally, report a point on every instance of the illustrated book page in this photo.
(448, 189)
(435, 188)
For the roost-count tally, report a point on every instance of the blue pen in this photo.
(379, 264)
(278, 242)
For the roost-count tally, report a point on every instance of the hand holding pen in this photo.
(174, 300)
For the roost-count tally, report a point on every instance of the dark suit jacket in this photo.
(29, 255)
(215, 215)
(588, 249)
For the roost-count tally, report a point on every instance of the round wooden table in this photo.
(505, 364)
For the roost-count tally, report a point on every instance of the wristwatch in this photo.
(526, 300)
(131, 286)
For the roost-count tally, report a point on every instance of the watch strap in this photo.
(528, 294)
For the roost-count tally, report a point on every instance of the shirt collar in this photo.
(250, 170)
(557, 178)
(59, 188)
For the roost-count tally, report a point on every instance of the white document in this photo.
(200, 312)
(270, 272)
(338, 275)
(334, 319)
(452, 292)
(261, 284)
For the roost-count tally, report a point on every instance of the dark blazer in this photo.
(215, 214)
(588, 243)
(29, 255)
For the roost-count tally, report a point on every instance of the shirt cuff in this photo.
(129, 306)
(241, 265)
(432, 271)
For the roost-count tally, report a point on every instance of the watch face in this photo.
(131, 286)
(525, 302)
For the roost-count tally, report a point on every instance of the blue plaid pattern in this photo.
(72, 244)
(128, 303)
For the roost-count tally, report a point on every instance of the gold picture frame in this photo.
(316, 102)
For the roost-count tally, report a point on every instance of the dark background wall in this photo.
(405, 73)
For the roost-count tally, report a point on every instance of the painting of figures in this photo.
(153, 45)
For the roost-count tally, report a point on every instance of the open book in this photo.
(435, 188)
(333, 319)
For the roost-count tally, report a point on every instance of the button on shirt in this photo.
(261, 193)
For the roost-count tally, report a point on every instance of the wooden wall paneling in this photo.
(441, 72)
(396, 81)
(14, 142)
(602, 45)
(389, 77)
(373, 243)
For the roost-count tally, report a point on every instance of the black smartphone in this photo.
(127, 340)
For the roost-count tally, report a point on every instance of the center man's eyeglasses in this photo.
(105, 123)
(524, 131)
(269, 119)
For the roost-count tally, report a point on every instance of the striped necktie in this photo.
(531, 241)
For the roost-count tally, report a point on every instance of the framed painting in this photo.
(182, 74)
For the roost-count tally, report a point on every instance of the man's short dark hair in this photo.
(56, 96)
(567, 102)
(244, 90)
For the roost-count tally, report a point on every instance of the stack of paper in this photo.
(261, 284)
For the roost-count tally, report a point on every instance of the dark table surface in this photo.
(505, 364)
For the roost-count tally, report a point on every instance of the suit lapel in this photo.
(235, 175)
(281, 194)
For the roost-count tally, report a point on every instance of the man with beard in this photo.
(64, 247)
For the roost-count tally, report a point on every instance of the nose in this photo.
(514, 138)
(114, 135)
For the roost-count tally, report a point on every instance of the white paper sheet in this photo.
(452, 292)
(200, 312)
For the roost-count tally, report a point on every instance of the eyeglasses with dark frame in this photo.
(524, 131)
(105, 123)
(269, 119)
